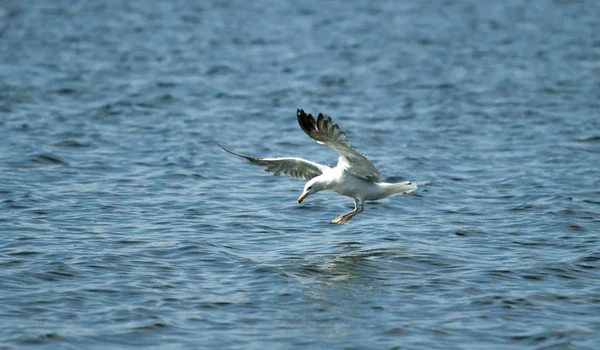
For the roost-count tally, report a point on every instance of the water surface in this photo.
(124, 225)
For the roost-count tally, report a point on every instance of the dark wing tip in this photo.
(223, 148)
(228, 151)
(306, 122)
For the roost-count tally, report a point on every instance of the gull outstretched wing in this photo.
(325, 132)
(295, 167)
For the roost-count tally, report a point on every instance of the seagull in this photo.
(354, 176)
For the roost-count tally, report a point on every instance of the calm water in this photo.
(123, 224)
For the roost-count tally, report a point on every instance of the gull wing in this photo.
(325, 132)
(295, 167)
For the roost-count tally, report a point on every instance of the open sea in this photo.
(123, 225)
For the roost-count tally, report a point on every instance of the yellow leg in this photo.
(342, 219)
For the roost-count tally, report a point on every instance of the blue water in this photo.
(124, 225)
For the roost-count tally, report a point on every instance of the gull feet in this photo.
(337, 220)
(342, 219)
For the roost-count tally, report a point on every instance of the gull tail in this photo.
(399, 188)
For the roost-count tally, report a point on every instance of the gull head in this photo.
(311, 187)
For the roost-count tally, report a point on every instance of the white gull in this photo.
(354, 176)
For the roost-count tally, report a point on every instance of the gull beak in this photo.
(301, 198)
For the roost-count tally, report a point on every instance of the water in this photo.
(124, 225)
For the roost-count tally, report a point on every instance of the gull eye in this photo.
(309, 187)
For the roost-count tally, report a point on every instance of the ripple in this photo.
(332, 80)
(46, 338)
(219, 70)
(591, 139)
(152, 327)
(72, 144)
(47, 159)
(66, 91)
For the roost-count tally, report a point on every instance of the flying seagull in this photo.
(354, 176)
